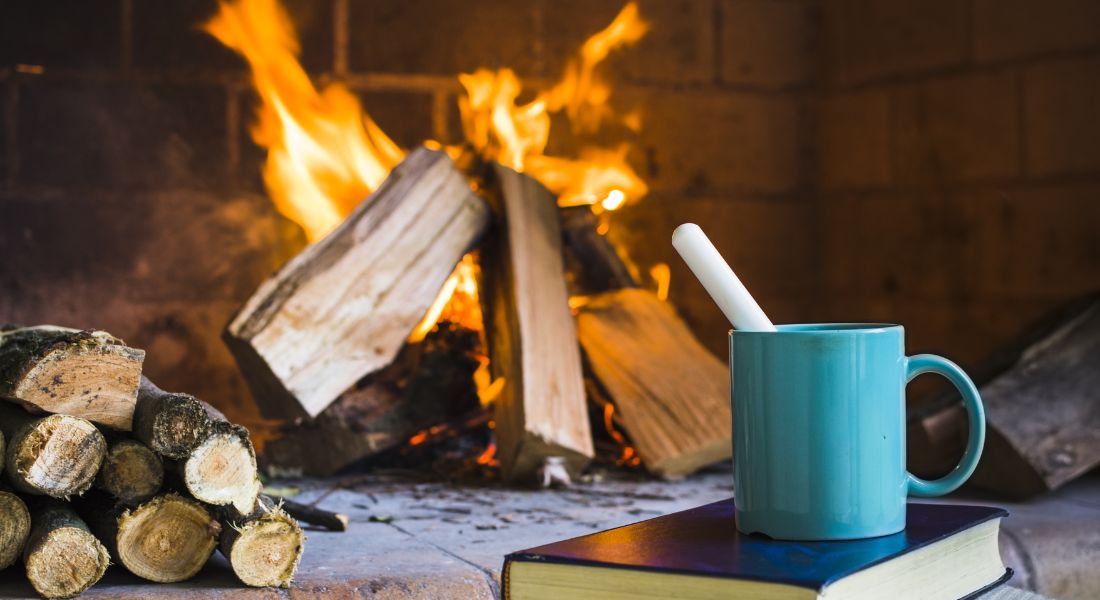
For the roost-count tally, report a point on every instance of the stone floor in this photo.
(421, 539)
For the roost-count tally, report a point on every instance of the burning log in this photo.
(592, 264)
(15, 526)
(55, 455)
(131, 472)
(1040, 400)
(532, 341)
(263, 548)
(87, 374)
(62, 556)
(429, 383)
(672, 395)
(171, 424)
(343, 307)
(166, 539)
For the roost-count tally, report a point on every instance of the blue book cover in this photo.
(704, 541)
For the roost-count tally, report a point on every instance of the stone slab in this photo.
(412, 538)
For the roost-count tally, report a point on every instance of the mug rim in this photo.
(824, 329)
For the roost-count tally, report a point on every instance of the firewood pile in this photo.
(100, 466)
(324, 343)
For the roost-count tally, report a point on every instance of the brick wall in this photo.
(929, 162)
(959, 172)
(130, 194)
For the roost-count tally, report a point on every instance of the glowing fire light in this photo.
(662, 276)
(488, 457)
(324, 154)
(629, 456)
(516, 135)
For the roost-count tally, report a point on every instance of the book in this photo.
(946, 551)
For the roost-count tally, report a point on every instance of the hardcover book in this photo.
(946, 551)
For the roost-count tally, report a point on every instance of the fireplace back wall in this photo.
(848, 165)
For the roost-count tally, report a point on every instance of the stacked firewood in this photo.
(100, 465)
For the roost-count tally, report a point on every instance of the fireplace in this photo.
(133, 199)
(930, 164)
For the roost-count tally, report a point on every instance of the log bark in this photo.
(221, 470)
(343, 307)
(1043, 422)
(671, 394)
(55, 455)
(87, 374)
(15, 526)
(169, 423)
(541, 410)
(62, 556)
(131, 472)
(429, 383)
(167, 539)
(265, 547)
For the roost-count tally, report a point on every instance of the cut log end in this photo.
(57, 456)
(169, 423)
(264, 551)
(88, 374)
(131, 472)
(15, 526)
(62, 557)
(167, 539)
(222, 470)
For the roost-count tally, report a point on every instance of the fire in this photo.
(457, 302)
(516, 135)
(629, 456)
(324, 153)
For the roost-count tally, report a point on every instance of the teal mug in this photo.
(819, 430)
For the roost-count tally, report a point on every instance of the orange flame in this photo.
(662, 276)
(325, 154)
(629, 456)
(457, 302)
(516, 135)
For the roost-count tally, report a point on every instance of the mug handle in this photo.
(930, 363)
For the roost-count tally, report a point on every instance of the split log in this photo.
(344, 306)
(671, 394)
(166, 539)
(15, 526)
(62, 556)
(87, 374)
(55, 455)
(222, 470)
(429, 383)
(541, 410)
(131, 472)
(264, 548)
(1041, 409)
(311, 515)
(171, 424)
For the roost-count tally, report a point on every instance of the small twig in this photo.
(332, 521)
